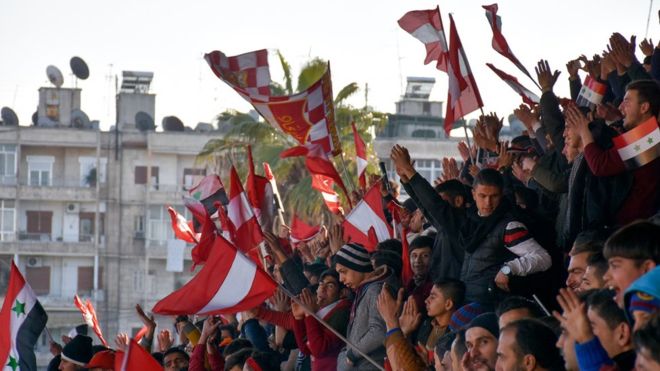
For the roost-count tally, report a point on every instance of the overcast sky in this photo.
(361, 38)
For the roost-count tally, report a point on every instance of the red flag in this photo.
(136, 358)
(260, 193)
(366, 216)
(406, 270)
(360, 157)
(307, 116)
(426, 26)
(89, 317)
(499, 42)
(198, 212)
(241, 216)
(208, 191)
(182, 230)
(325, 185)
(527, 96)
(463, 96)
(202, 249)
(301, 231)
(229, 282)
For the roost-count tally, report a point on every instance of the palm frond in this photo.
(286, 67)
(346, 92)
(311, 73)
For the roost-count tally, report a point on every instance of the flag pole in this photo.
(327, 325)
(346, 174)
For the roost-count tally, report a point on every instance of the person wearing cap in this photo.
(366, 328)
(481, 341)
(102, 361)
(642, 298)
(76, 353)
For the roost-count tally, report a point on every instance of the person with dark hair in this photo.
(262, 361)
(647, 345)
(594, 274)
(527, 344)
(420, 285)
(442, 359)
(235, 346)
(640, 108)
(496, 246)
(586, 244)
(235, 361)
(481, 337)
(175, 359)
(445, 298)
(452, 191)
(458, 350)
(631, 252)
(515, 308)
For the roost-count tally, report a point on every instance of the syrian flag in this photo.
(260, 193)
(209, 191)
(499, 42)
(527, 96)
(89, 317)
(463, 95)
(136, 358)
(22, 319)
(183, 229)
(248, 233)
(591, 93)
(301, 231)
(426, 26)
(639, 146)
(366, 224)
(360, 157)
(229, 282)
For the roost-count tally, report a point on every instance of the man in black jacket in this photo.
(495, 245)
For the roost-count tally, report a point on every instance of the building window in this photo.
(7, 220)
(192, 177)
(7, 164)
(39, 224)
(138, 225)
(141, 175)
(160, 224)
(429, 169)
(86, 228)
(40, 170)
(86, 280)
(88, 172)
(39, 279)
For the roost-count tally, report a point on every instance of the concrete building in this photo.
(419, 126)
(83, 212)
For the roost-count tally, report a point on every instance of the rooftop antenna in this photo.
(79, 119)
(172, 123)
(54, 76)
(79, 69)
(144, 121)
(9, 117)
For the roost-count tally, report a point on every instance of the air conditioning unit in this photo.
(72, 208)
(34, 261)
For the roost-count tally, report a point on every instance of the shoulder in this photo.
(515, 232)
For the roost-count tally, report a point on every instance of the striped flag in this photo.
(244, 222)
(22, 319)
(527, 96)
(209, 191)
(426, 26)
(136, 358)
(183, 229)
(499, 42)
(639, 146)
(366, 224)
(301, 231)
(360, 157)
(591, 93)
(229, 282)
(89, 316)
(260, 193)
(325, 185)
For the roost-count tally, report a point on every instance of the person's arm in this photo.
(401, 353)
(655, 64)
(591, 355)
(197, 358)
(320, 340)
(256, 334)
(548, 174)
(282, 319)
(551, 118)
(532, 258)
(373, 338)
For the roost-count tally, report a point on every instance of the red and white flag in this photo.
(229, 282)
(360, 157)
(136, 358)
(499, 42)
(242, 217)
(89, 317)
(591, 93)
(260, 193)
(301, 231)
(366, 224)
(183, 229)
(209, 191)
(201, 251)
(325, 185)
(308, 116)
(426, 26)
(268, 173)
(463, 95)
(640, 145)
(527, 96)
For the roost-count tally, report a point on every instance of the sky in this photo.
(361, 39)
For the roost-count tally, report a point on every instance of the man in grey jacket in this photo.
(366, 328)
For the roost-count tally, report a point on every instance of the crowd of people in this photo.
(536, 254)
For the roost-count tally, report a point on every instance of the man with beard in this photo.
(481, 343)
(527, 345)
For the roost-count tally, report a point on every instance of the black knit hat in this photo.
(354, 257)
(487, 321)
(78, 351)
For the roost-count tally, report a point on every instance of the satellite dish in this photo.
(172, 123)
(9, 117)
(79, 68)
(55, 75)
(35, 118)
(79, 119)
(144, 121)
(204, 127)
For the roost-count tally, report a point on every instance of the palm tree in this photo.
(241, 129)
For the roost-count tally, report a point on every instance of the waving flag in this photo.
(591, 93)
(325, 185)
(208, 192)
(301, 231)
(366, 224)
(308, 116)
(463, 95)
(229, 282)
(499, 42)
(183, 230)
(260, 193)
(89, 316)
(22, 319)
(360, 157)
(276, 193)
(639, 146)
(426, 26)
(241, 216)
(527, 96)
(136, 358)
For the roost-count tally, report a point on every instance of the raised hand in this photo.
(607, 65)
(388, 307)
(273, 245)
(646, 46)
(449, 169)
(336, 237)
(297, 310)
(574, 317)
(146, 320)
(546, 78)
(402, 162)
(519, 173)
(505, 158)
(309, 300)
(623, 50)
(280, 301)
(165, 340)
(592, 67)
(573, 66)
(608, 112)
(464, 150)
(121, 341)
(527, 117)
(211, 324)
(410, 317)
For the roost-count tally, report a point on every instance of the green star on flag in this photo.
(12, 363)
(650, 140)
(19, 308)
(637, 148)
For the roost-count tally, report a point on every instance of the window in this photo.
(7, 220)
(86, 280)
(141, 175)
(86, 230)
(192, 177)
(39, 224)
(40, 170)
(7, 164)
(139, 226)
(160, 224)
(426, 108)
(429, 169)
(39, 279)
(88, 173)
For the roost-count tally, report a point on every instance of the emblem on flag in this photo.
(639, 146)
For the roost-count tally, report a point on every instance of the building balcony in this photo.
(161, 194)
(48, 244)
(58, 191)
